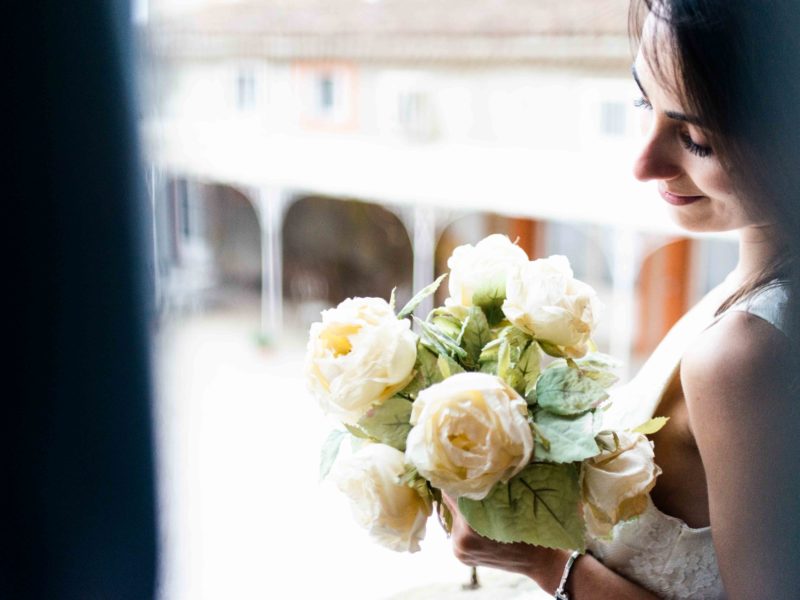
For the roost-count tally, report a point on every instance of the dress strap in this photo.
(769, 303)
(636, 402)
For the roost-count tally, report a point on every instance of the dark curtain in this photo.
(77, 490)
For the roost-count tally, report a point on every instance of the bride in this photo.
(719, 96)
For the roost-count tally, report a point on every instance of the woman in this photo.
(719, 95)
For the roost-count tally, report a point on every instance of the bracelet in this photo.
(560, 593)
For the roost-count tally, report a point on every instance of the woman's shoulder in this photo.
(748, 336)
(741, 357)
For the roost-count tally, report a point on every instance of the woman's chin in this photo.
(698, 221)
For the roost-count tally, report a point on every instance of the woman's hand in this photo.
(590, 579)
(543, 565)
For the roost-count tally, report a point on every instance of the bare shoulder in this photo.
(734, 363)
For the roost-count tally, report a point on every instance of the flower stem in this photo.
(473, 584)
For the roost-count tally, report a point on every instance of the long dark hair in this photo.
(737, 68)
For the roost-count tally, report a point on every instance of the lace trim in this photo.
(663, 554)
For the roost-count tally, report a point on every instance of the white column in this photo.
(423, 227)
(623, 316)
(270, 203)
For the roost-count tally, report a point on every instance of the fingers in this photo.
(467, 544)
(460, 533)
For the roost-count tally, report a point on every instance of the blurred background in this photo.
(303, 151)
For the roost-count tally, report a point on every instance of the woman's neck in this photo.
(759, 247)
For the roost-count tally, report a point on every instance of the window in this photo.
(612, 119)
(326, 98)
(245, 88)
(327, 93)
(415, 115)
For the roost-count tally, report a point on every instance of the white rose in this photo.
(394, 514)
(470, 431)
(358, 356)
(484, 265)
(616, 483)
(544, 299)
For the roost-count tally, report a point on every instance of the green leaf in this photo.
(447, 366)
(388, 422)
(529, 366)
(419, 297)
(599, 362)
(602, 439)
(651, 426)
(596, 365)
(530, 397)
(448, 325)
(489, 367)
(516, 337)
(475, 335)
(540, 506)
(538, 436)
(445, 517)
(359, 433)
(552, 349)
(443, 513)
(393, 299)
(329, 452)
(566, 391)
(438, 340)
(490, 351)
(408, 476)
(426, 372)
(570, 439)
(490, 299)
(504, 360)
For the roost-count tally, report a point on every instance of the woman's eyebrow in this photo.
(674, 115)
(683, 118)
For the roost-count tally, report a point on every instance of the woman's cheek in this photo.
(719, 181)
(645, 121)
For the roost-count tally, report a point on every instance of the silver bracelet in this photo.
(560, 593)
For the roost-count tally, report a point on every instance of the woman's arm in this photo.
(745, 421)
(589, 579)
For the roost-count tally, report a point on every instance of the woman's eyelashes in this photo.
(687, 141)
(694, 147)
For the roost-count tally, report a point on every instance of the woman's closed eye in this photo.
(695, 148)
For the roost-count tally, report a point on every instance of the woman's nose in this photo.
(657, 158)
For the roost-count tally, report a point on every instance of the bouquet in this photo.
(497, 401)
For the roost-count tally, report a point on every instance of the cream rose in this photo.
(482, 266)
(544, 299)
(358, 356)
(470, 431)
(394, 514)
(616, 483)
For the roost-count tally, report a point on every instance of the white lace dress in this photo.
(655, 550)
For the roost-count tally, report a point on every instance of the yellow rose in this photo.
(394, 514)
(470, 431)
(545, 300)
(616, 483)
(358, 356)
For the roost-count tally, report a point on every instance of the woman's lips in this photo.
(678, 199)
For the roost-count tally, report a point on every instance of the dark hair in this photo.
(737, 67)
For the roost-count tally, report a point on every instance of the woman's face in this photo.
(677, 155)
